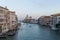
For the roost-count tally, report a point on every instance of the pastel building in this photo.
(29, 19)
(44, 20)
(7, 20)
(13, 20)
(47, 20)
(55, 19)
(41, 20)
(3, 19)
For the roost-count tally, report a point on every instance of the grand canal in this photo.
(34, 32)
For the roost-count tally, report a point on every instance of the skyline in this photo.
(34, 8)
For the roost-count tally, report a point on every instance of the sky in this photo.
(34, 8)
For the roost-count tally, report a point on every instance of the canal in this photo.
(34, 32)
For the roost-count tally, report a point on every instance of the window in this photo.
(1, 11)
(1, 20)
(1, 16)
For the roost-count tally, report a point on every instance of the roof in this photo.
(4, 7)
(57, 14)
(45, 17)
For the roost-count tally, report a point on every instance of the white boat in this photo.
(53, 27)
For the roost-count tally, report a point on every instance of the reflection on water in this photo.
(34, 32)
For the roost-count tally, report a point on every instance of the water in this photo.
(34, 32)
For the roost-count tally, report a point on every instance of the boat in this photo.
(11, 32)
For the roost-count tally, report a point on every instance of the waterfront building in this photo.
(33, 21)
(44, 20)
(26, 19)
(13, 20)
(3, 19)
(29, 19)
(7, 20)
(55, 19)
(41, 20)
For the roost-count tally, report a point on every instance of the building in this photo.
(44, 20)
(33, 21)
(3, 19)
(29, 19)
(40, 20)
(55, 19)
(47, 20)
(13, 20)
(8, 20)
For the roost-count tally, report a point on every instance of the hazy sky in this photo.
(33, 8)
